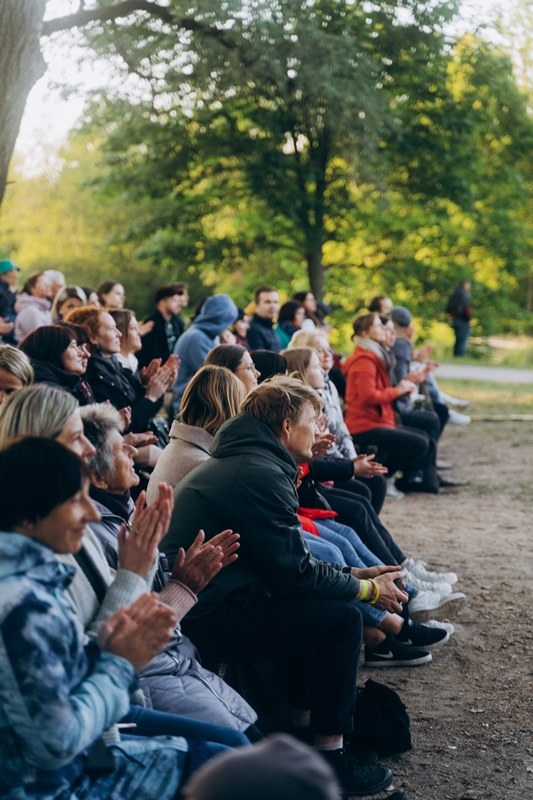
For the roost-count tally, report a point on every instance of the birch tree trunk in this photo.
(21, 66)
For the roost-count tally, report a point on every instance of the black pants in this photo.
(399, 448)
(357, 512)
(373, 489)
(318, 640)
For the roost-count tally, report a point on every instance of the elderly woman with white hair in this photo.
(96, 593)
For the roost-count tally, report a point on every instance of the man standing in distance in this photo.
(262, 335)
(168, 324)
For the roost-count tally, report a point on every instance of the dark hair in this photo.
(122, 317)
(47, 343)
(268, 363)
(36, 475)
(300, 298)
(31, 282)
(78, 333)
(265, 289)
(170, 291)
(363, 322)
(376, 302)
(226, 355)
(105, 288)
(288, 310)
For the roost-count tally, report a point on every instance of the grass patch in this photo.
(491, 399)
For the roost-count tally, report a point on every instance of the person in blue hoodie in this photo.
(217, 313)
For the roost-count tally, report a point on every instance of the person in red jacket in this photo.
(370, 413)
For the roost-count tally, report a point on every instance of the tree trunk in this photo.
(21, 66)
(315, 270)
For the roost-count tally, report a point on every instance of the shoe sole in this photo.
(413, 662)
(449, 608)
(384, 785)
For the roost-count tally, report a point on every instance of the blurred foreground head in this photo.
(278, 768)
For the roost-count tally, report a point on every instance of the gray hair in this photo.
(37, 410)
(16, 362)
(99, 420)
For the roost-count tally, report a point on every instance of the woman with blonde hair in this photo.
(15, 371)
(211, 397)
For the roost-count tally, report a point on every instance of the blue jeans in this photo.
(461, 328)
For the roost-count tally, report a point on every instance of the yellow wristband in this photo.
(364, 590)
(377, 592)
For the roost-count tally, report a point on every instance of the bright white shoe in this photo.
(436, 623)
(456, 418)
(427, 586)
(419, 570)
(432, 605)
(392, 491)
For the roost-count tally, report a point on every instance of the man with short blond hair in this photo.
(276, 601)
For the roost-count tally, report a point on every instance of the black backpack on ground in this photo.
(381, 721)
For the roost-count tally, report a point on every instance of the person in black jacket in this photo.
(262, 334)
(459, 307)
(112, 382)
(168, 324)
(277, 601)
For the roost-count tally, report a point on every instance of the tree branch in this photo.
(83, 16)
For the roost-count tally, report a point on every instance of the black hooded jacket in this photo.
(248, 485)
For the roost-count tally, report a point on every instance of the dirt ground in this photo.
(471, 709)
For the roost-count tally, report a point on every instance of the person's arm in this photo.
(264, 507)
(365, 378)
(39, 662)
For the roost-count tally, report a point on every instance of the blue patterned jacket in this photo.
(56, 697)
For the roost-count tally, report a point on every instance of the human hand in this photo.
(5, 326)
(159, 384)
(203, 560)
(364, 466)
(322, 445)
(125, 414)
(145, 327)
(139, 632)
(151, 369)
(405, 386)
(227, 337)
(390, 596)
(172, 362)
(140, 439)
(137, 548)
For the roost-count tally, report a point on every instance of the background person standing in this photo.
(459, 307)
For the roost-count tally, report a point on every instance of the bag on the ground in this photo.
(381, 721)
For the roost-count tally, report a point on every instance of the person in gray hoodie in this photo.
(217, 313)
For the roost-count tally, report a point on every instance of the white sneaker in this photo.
(427, 586)
(444, 464)
(456, 418)
(392, 491)
(453, 401)
(431, 605)
(436, 623)
(418, 569)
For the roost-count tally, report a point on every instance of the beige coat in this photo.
(188, 447)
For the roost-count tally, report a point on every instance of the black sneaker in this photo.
(391, 653)
(356, 780)
(414, 634)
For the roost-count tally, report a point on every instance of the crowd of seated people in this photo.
(230, 599)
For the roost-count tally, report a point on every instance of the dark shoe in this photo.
(416, 486)
(356, 780)
(391, 653)
(415, 635)
(444, 483)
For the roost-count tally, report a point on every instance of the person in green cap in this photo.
(8, 281)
